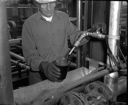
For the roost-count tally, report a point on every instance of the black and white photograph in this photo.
(63, 52)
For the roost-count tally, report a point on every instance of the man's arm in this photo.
(29, 48)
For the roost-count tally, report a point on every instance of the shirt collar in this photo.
(49, 19)
(43, 17)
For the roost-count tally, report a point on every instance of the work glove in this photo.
(50, 70)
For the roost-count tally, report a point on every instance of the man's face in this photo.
(47, 9)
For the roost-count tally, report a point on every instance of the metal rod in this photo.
(20, 64)
(17, 56)
(15, 41)
(79, 17)
(6, 94)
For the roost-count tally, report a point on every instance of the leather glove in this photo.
(50, 70)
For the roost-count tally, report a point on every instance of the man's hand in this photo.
(50, 70)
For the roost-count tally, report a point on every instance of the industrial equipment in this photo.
(103, 84)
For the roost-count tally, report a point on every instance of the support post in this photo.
(79, 18)
(114, 23)
(6, 94)
(113, 38)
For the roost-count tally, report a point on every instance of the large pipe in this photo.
(79, 22)
(6, 94)
(53, 97)
(114, 23)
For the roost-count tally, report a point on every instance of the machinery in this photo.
(101, 83)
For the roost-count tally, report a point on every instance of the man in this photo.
(44, 40)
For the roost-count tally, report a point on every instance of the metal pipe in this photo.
(6, 94)
(79, 18)
(20, 64)
(17, 56)
(53, 97)
(115, 8)
(79, 14)
(86, 79)
(15, 41)
(84, 51)
(114, 20)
